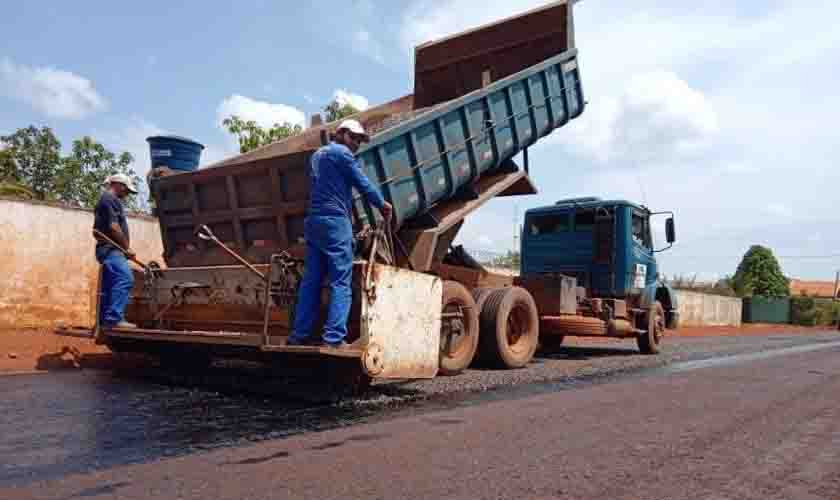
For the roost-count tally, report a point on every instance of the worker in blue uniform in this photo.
(117, 277)
(328, 232)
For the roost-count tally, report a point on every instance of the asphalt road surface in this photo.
(760, 423)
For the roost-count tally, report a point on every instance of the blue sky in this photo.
(725, 114)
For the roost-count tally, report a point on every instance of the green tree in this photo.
(32, 158)
(8, 167)
(87, 167)
(336, 111)
(15, 190)
(509, 260)
(759, 274)
(31, 166)
(251, 136)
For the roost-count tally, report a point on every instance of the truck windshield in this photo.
(541, 225)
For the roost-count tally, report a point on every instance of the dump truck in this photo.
(233, 232)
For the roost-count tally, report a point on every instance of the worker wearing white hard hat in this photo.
(354, 128)
(117, 277)
(122, 179)
(328, 231)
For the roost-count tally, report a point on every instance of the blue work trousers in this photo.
(117, 282)
(329, 252)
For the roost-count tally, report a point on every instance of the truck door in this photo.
(642, 269)
(603, 265)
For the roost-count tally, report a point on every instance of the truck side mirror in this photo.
(670, 233)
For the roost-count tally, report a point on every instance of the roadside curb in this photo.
(23, 372)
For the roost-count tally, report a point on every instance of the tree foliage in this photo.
(759, 274)
(336, 111)
(32, 166)
(510, 260)
(15, 190)
(87, 167)
(251, 136)
(32, 159)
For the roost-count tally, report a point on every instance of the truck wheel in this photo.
(509, 327)
(649, 341)
(480, 295)
(458, 329)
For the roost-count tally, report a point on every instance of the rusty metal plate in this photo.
(401, 324)
(457, 65)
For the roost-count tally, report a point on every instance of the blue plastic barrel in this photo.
(177, 153)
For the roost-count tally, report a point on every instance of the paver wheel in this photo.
(458, 329)
(649, 341)
(509, 327)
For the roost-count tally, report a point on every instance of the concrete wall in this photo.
(700, 309)
(47, 266)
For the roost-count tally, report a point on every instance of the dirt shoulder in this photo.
(758, 329)
(42, 350)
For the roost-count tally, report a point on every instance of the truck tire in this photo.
(649, 341)
(458, 333)
(509, 327)
(480, 295)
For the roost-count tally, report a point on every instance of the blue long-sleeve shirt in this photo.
(333, 172)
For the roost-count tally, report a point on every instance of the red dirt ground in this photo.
(41, 350)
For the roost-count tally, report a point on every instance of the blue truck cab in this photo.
(606, 245)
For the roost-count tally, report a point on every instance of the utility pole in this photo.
(515, 227)
(834, 298)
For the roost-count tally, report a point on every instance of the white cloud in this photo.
(738, 167)
(364, 43)
(779, 210)
(265, 114)
(131, 137)
(54, 92)
(344, 97)
(657, 118)
(732, 105)
(485, 241)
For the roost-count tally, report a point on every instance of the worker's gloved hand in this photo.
(387, 210)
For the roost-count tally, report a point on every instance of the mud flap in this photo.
(400, 324)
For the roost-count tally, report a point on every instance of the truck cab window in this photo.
(641, 234)
(585, 220)
(549, 224)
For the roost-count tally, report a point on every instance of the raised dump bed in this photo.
(256, 202)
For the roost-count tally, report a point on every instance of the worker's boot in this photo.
(124, 324)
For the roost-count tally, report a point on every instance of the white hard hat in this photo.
(352, 126)
(122, 179)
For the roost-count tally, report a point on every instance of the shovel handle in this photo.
(134, 259)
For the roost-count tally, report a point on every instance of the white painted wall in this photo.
(47, 266)
(700, 309)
